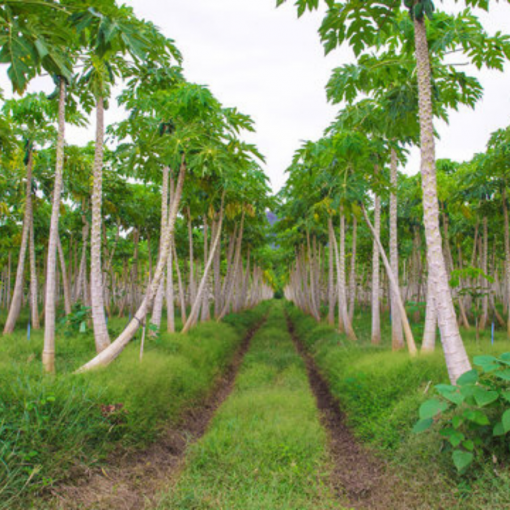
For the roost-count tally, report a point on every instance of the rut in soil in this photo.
(133, 481)
(356, 474)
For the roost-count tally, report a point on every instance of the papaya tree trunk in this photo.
(397, 338)
(206, 312)
(457, 360)
(311, 267)
(193, 316)
(485, 255)
(34, 302)
(182, 294)
(376, 307)
(158, 302)
(228, 275)
(65, 278)
(101, 337)
(462, 309)
(170, 298)
(331, 276)
(340, 271)
(429, 334)
(411, 346)
(17, 296)
(507, 253)
(217, 279)
(234, 271)
(352, 275)
(82, 275)
(114, 349)
(191, 288)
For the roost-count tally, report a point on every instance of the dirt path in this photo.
(357, 475)
(132, 481)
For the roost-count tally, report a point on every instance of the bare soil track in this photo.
(132, 480)
(357, 475)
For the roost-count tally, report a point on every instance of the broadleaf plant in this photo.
(474, 414)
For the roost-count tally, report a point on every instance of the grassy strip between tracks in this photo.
(265, 448)
(380, 391)
(53, 427)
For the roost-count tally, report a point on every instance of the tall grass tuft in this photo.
(51, 427)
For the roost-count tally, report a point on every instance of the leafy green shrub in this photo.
(474, 415)
(76, 322)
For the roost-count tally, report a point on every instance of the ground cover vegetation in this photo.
(102, 242)
(265, 448)
(54, 429)
(380, 392)
(145, 254)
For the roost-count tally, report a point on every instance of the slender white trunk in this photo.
(158, 302)
(352, 276)
(65, 278)
(33, 278)
(429, 334)
(235, 268)
(485, 255)
(393, 282)
(191, 289)
(228, 277)
(462, 310)
(170, 307)
(342, 298)
(507, 253)
(182, 296)
(112, 351)
(170, 299)
(397, 338)
(192, 318)
(206, 312)
(457, 360)
(82, 276)
(376, 309)
(311, 266)
(217, 279)
(101, 335)
(17, 297)
(331, 276)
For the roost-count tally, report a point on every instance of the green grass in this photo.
(50, 425)
(381, 391)
(265, 448)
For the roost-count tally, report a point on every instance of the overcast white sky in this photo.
(272, 66)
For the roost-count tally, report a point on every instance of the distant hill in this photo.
(271, 217)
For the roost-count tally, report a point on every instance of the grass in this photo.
(265, 447)
(49, 426)
(381, 391)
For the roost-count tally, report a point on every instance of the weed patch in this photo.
(265, 447)
(381, 392)
(52, 427)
